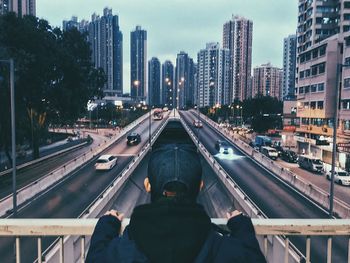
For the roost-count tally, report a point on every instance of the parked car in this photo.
(340, 177)
(312, 164)
(289, 156)
(223, 147)
(133, 138)
(198, 124)
(106, 162)
(269, 152)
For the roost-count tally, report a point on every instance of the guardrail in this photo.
(275, 245)
(53, 253)
(24, 165)
(80, 229)
(316, 194)
(44, 183)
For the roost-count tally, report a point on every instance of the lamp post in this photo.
(335, 126)
(13, 133)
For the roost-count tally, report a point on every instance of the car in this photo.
(106, 162)
(269, 152)
(133, 139)
(312, 164)
(289, 156)
(223, 147)
(340, 177)
(198, 124)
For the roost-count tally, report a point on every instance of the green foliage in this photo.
(54, 76)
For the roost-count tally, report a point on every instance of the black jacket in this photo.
(171, 232)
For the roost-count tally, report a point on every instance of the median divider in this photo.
(52, 254)
(275, 246)
(43, 184)
(305, 187)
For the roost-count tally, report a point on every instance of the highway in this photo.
(273, 197)
(76, 192)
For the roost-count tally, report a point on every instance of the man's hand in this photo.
(116, 214)
(233, 214)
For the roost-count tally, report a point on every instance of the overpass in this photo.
(237, 182)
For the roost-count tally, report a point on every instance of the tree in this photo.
(54, 76)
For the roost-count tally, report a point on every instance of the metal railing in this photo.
(83, 229)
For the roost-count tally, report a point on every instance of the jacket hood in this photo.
(169, 231)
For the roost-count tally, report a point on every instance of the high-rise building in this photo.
(267, 81)
(184, 78)
(168, 97)
(289, 66)
(69, 24)
(213, 72)
(238, 37)
(323, 43)
(138, 63)
(154, 93)
(21, 7)
(106, 41)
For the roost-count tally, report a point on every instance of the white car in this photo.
(340, 177)
(197, 123)
(106, 162)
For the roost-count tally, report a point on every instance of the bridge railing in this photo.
(83, 229)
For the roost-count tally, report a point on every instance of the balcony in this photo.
(80, 231)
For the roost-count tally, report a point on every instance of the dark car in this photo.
(133, 138)
(289, 156)
(279, 149)
(223, 147)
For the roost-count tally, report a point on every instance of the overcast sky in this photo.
(185, 25)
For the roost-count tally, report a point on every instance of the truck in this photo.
(262, 140)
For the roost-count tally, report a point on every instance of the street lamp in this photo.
(13, 133)
(335, 124)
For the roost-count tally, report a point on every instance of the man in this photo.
(173, 227)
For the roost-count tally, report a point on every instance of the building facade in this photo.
(154, 93)
(106, 42)
(267, 81)
(213, 76)
(21, 7)
(322, 45)
(184, 80)
(168, 83)
(238, 37)
(138, 64)
(289, 66)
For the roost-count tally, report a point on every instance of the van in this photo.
(262, 141)
(269, 152)
(310, 163)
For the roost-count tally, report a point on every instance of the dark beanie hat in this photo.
(175, 163)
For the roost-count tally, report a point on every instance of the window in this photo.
(346, 83)
(320, 105)
(321, 68)
(346, 28)
(301, 74)
(307, 89)
(346, 4)
(313, 105)
(306, 105)
(315, 53)
(320, 87)
(346, 104)
(307, 73)
(314, 88)
(347, 61)
(314, 71)
(346, 16)
(322, 50)
(301, 90)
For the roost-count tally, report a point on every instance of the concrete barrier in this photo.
(311, 191)
(275, 246)
(44, 183)
(71, 243)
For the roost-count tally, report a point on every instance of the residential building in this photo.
(69, 24)
(154, 82)
(168, 91)
(21, 7)
(184, 79)
(138, 64)
(213, 76)
(289, 66)
(267, 81)
(238, 37)
(106, 41)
